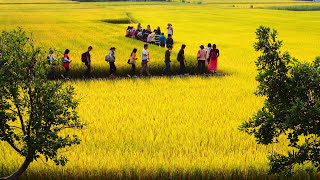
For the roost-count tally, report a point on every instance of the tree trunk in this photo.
(19, 172)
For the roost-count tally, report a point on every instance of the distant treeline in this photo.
(119, 0)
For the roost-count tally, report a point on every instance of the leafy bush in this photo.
(291, 107)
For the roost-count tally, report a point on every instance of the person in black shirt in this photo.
(88, 61)
(167, 69)
(181, 58)
(169, 41)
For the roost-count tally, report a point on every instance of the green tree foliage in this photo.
(292, 104)
(33, 110)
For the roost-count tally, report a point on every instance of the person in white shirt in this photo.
(208, 48)
(144, 60)
(170, 29)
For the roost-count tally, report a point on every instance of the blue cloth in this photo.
(162, 39)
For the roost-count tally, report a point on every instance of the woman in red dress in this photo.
(214, 54)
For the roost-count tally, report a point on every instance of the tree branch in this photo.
(14, 146)
(19, 114)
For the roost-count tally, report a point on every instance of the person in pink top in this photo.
(201, 56)
(214, 54)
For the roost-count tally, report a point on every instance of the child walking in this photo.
(66, 64)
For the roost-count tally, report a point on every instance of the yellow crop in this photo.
(150, 127)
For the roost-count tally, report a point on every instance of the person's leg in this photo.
(88, 71)
(165, 70)
(199, 67)
(184, 68)
(142, 67)
(110, 63)
(66, 72)
(147, 68)
(169, 69)
(180, 69)
(114, 68)
(203, 66)
(133, 70)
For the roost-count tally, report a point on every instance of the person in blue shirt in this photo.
(162, 40)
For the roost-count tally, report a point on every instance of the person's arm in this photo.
(218, 53)
(66, 59)
(88, 61)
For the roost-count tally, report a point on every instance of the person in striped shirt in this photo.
(157, 39)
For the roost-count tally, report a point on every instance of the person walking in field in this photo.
(181, 58)
(213, 65)
(66, 64)
(208, 48)
(112, 60)
(162, 40)
(169, 41)
(144, 61)
(132, 61)
(86, 58)
(51, 63)
(167, 69)
(170, 30)
(202, 57)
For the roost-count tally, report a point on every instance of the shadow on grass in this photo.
(251, 174)
(77, 72)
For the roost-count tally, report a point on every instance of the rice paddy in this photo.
(179, 127)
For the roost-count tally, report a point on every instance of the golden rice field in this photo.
(162, 127)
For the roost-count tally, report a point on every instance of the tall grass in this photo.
(296, 7)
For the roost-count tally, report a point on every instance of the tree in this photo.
(33, 110)
(292, 104)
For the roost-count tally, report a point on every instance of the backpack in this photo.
(109, 58)
(84, 57)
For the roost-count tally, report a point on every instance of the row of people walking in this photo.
(207, 54)
(151, 37)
